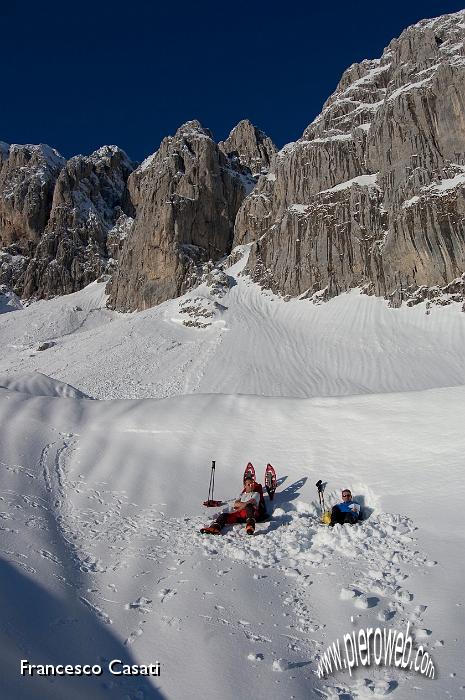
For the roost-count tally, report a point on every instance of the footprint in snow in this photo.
(417, 613)
(141, 604)
(166, 593)
(403, 596)
(174, 622)
(95, 566)
(422, 633)
(364, 602)
(48, 555)
(256, 637)
(385, 615)
(348, 593)
(133, 636)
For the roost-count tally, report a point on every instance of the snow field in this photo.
(252, 343)
(100, 500)
(100, 504)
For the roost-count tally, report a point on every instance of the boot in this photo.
(212, 529)
(250, 526)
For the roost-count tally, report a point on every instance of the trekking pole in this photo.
(320, 486)
(210, 503)
(212, 482)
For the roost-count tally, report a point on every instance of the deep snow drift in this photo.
(100, 501)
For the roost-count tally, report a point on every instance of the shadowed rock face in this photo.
(59, 242)
(373, 194)
(87, 202)
(27, 180)
(64, 224)
(186, 198)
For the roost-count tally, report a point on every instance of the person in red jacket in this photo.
(245, 509)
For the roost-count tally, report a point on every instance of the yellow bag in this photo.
(326, 517)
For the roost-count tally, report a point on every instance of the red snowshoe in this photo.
(270, 481)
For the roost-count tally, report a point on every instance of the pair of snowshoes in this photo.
(270, 478)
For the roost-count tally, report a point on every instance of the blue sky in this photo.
(77, 76)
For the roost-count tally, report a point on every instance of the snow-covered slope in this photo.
(100, 501)
(230, 337)
(39, 384)
(101, 510)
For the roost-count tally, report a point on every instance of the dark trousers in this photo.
(245, 515)
(337, 516)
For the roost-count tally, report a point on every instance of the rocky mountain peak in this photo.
(373, 194)
(186, 197)
(250, 146)
(27, 179)
(55, 216)
(192, 129)
(35, 154)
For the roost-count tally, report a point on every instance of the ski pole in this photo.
(320, 486)
(212, 482)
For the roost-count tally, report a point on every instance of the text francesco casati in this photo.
(116, 667)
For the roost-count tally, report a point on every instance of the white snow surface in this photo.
(100, 501)
(442, 188)
(408, 87)
(360, 180)
(38, 384)
(449, 183)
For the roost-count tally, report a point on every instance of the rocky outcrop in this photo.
(118, 234)
(64, 224)
(27, 179)
(88, 199)
(373, 194)
(250, 147)
(186, 197)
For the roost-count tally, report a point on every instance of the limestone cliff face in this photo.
(186, 197)
(67, 245)
(250, 146)
(64, 224)
(27, 180)
(373, 194)
(87, 202)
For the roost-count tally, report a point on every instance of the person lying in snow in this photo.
(245, 509)
(346, 512)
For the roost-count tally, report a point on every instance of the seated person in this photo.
(245, 509)
(346, 512)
